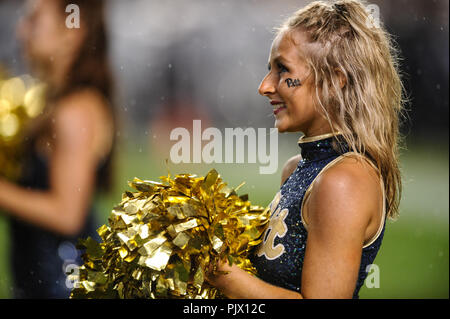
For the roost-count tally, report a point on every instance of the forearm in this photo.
(239, 284)
(41, 208)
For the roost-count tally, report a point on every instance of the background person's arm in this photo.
(63, 207)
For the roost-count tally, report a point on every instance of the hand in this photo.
(222, 269)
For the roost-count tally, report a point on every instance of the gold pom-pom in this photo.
(163, 237)
(21, 100)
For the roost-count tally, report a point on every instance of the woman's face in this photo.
(40, 28)
(44, 35)
(290, 87)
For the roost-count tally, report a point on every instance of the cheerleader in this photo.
(333, 76)
(69, 151)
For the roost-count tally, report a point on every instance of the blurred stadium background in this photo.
(178, 60)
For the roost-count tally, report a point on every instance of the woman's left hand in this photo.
(221, 267)
(237, 283)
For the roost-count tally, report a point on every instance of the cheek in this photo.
(45, 35)
(300, 101)
(291, 91)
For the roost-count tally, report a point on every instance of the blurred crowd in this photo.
(205, 60)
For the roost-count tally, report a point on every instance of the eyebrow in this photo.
(278, 59)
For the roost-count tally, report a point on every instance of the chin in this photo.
(284, 128)
(280, 129)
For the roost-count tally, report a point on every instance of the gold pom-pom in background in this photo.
(163, 238)
(21, 100)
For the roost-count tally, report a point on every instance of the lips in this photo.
(278, 106)
(278, 110)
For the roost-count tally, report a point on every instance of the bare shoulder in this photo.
(348, 193)
(289, 167)
(80, 103)
(83, 117)
(351, 171)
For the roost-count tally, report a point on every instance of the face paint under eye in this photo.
(281, 68)
(292, 83)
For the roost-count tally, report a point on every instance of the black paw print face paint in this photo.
(292, 83)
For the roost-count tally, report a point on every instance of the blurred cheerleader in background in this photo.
(69, 150)
(333, 75)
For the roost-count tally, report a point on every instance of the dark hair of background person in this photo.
(91, 69)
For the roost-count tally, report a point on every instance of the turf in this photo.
(413, 260)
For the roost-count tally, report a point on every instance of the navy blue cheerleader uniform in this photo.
(40, 258)
(279, 258)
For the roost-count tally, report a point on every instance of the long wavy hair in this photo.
(91, 69)
(91, 66)
(350, 43)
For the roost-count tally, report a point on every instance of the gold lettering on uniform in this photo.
(277, 228)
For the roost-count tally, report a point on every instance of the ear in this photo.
(342, 77)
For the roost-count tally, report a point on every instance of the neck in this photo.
(318, 127)
(53, 70)
(319, 133)
(57, 77)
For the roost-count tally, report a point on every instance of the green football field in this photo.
(413, 260)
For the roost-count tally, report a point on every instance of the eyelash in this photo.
(281, 68)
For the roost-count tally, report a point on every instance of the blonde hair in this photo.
(349, 43)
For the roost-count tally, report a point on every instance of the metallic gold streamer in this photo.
(163, 237)
(21, 100)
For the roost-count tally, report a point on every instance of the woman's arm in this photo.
(238, 284)
(72, 172)
(341, 207)
(343, 213)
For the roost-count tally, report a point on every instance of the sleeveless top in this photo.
(279, 258)
(40, 258)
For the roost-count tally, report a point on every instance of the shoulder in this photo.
(349, 172)
(77, 114)
(79, 103)
(84, 107)
(289, 167)
(348, 192)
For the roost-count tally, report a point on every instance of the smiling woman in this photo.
(286, 63)
(332, 76)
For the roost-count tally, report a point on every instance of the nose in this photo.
(266, 88)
